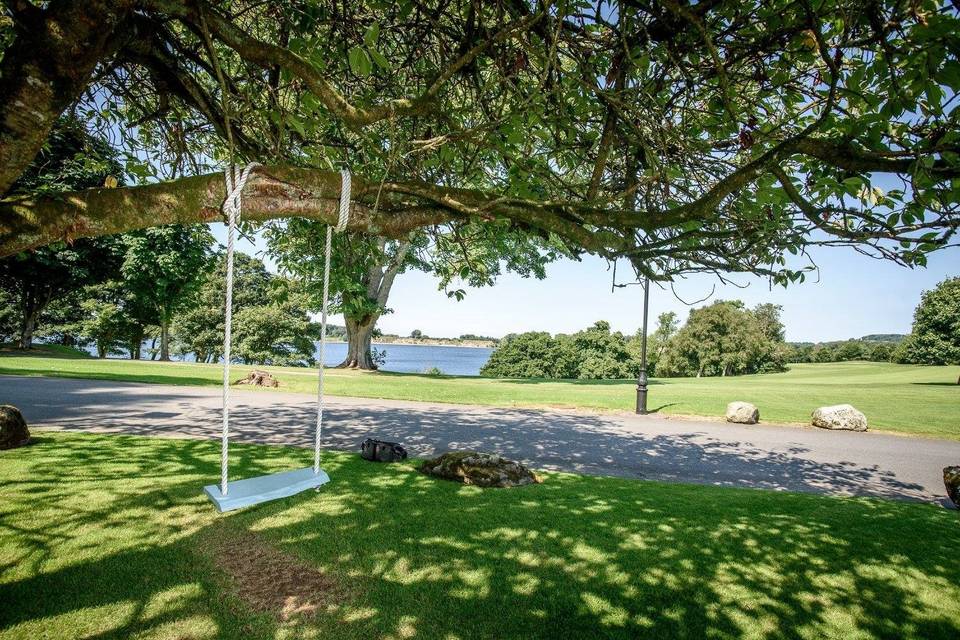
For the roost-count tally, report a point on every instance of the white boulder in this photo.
(839, 416)
(742, 412)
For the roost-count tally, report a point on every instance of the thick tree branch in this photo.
(851, 158)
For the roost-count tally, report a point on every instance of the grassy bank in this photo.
(903, 398)
(109, 537)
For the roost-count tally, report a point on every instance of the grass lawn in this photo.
(109, 537)
(908, 399)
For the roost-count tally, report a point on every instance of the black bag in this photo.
(380, 451)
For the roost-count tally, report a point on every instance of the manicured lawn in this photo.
(109, 537)
(904, 398)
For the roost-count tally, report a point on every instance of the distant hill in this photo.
(890, 338)
(884, 337)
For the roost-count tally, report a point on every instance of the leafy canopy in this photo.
(715, 136)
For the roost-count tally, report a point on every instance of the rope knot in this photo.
(345, 185)
(236, 181)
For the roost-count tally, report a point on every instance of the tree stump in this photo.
(257, 378)
(13, 428)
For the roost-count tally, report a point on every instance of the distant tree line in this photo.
(721, 339)
(865, 348)
(934, 338)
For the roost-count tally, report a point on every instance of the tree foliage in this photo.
(723, 339)
(271, 324)
(935, 338)
(594, 353)
(32, 280)
(161, 267)
(712, 136)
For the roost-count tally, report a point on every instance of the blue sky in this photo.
(854, 296)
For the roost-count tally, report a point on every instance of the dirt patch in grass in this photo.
(270, 581)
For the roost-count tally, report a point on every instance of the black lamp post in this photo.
(642, 377)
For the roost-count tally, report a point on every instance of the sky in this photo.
(853, 296)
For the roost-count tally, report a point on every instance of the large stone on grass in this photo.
(479, 469)
(13, 428)
(839, 416)
(951, 480)
(742, 413)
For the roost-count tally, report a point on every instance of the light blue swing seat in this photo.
(251, 491)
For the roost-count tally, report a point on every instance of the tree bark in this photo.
(27, 327)
(46, 68)
(164, 337)
(359, 339)
(34, 300)
(378, 281)
(136, 343)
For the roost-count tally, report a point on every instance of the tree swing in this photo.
(250, 491)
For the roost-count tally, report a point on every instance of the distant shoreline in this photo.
(409, 343)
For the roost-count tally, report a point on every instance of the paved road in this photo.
(716, 453)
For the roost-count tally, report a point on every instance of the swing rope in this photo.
(232, 207)
(343, 217)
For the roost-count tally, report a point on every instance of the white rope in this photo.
(231, 208)
(343, 218)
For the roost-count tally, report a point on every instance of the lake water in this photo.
(403, 358)
(418, 358)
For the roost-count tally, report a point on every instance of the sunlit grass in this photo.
(904, 398)
(108, 537)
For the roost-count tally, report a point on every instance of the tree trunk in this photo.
(359, 337)
(136, 343)
(27, 328)
(32, 305)
(45, 69)
(164, 336)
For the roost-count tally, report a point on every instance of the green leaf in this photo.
(370, 37)
(359, 61)
(379, 59)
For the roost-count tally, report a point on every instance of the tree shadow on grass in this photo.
(107, 532)
(549, 440)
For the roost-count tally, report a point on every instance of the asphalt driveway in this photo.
(654, 447)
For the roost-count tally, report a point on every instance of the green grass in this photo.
(44, 351)
(109, 537)
(915, 400)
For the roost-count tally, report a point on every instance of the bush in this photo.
(595, 353)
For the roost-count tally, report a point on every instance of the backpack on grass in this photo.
(381, 451)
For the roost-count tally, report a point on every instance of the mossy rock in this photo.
(479, 469)
(13, 428)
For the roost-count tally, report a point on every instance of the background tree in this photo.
(667, 325)
(364, 268)
(723, 339)
(104, 323)
(198, 328)
(594, 353)
(603, 354)
(161, 267)
(70, 159)
(8, 317)
(935, 337)
(534, 354)
(277, 331)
